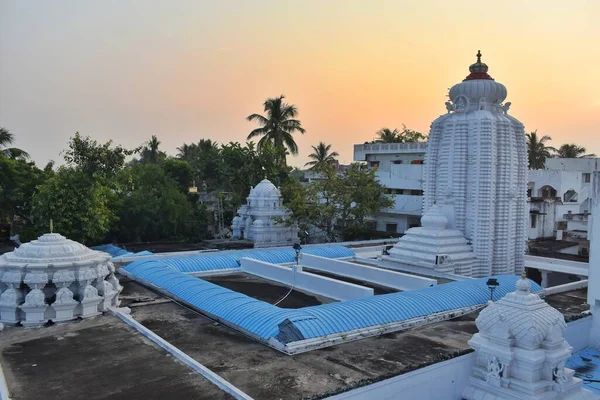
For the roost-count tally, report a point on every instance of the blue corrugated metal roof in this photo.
(208, 262)
(116, 251)
(586, 364)
(264, 320)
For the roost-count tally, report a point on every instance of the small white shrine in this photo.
(521, 352)
(260, 220)
(434, 246)
(53, 278)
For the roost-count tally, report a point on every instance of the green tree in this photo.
(6, 139)
(406, 135)
(410, 136)
(387, 135)
(150, 153)
(180, 172)
(278, 126)
(94, 159)
(572, 151)
(153, 206)
(321, 156)
(79, 206)
(537, 150)
(338, 204)
(18, 181)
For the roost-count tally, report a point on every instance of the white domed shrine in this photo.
(521, 351)
(434, 246)
(53, 278)
(258, 220)
(476, 167)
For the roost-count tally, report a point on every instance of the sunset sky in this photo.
(185, 70)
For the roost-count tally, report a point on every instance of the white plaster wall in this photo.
(562, 181)
(574, 164)
(306, 281)
(400, 220)
(445, 380)
(401, 176)
(546, 220)
(380, 276)
(362, 151)
(407, 204)
(594, 269)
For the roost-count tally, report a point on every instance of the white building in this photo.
(261, 219)
(400, 169)
(476, 169)
(560, 197)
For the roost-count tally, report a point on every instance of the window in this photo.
(416, 193)
(416, 162)
(374, 164)
(533, 220)
(391, 228)
(561, 225)
(587, 177)
(397, 162)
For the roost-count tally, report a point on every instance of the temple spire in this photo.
(479, 56)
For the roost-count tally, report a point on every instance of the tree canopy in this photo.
(406, 135)
(278, 126)
(537, 150)
(572, 151)
(339, 204)
(321, 157)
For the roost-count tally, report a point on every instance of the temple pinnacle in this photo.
(478, 56)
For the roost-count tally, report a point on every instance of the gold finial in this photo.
(51, 226)
(524, 275)
(479, 56)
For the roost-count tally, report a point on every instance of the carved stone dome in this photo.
(478, 85)
(265, 189)
(54, 278)
(52, 247)
(523, 317)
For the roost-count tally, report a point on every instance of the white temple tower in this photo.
(261, 219)
(476, 170)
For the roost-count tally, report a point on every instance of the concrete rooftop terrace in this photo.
(108, 359)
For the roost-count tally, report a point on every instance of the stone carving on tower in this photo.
(55, 279)
(477, 156)
(520, 352)
(261, 219)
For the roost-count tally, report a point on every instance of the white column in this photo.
(594, 266)
(544, 278)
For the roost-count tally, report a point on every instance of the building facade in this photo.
(399, 167)
(560, 201)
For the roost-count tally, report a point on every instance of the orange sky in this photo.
(185, 70)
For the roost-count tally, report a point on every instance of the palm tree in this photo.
(207, 145)
(278, 125)
(572, 151)
(150, 153)
(6, 138)
(188, 152)
(386, 135)
(537, 151)
(321, 157)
